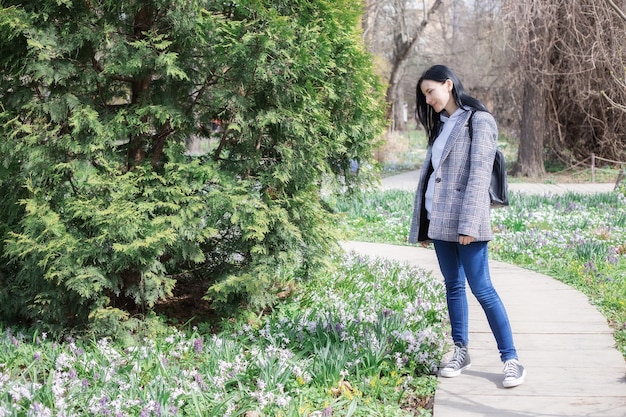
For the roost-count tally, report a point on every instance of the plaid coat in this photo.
(461, 204)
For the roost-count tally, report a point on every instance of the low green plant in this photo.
(402, 151)
(361, 341)
(375, 216)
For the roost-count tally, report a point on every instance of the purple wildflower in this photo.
(197, 345)
(198, 378)
(590, 266)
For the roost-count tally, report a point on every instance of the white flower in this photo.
(64, 361)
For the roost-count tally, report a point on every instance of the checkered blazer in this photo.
(461, 204)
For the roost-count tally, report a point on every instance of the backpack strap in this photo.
(469, 125)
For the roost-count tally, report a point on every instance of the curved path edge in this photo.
(563, 341)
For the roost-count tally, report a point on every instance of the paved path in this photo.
(574, 369)
(408, 181)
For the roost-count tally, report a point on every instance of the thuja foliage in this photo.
(104, 208)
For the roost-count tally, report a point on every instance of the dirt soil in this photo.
(186, 306)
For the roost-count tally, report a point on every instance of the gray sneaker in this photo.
(514, 373)
(459, 362)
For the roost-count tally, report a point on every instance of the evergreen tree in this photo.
(105, 210)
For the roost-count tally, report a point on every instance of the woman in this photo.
(452, 210)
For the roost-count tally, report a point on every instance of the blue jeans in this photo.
(458, 262)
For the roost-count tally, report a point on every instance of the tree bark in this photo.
(399, 122)
(533, 129)
(139, 85)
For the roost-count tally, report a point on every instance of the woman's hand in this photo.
(465, 240)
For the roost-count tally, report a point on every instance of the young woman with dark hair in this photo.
(452, 210)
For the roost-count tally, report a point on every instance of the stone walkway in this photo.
(566, 345)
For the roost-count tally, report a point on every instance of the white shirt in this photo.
(437, 151)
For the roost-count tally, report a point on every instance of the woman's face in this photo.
(439, 95)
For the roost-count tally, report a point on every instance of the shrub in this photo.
(105, 208)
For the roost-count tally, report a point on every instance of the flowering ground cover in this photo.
(578, 239)
(360, 341)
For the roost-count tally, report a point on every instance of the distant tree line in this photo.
(571, 64)
(551, 71)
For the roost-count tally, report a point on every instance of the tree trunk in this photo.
(533, 129)
(139, 85)
(399, 121)
(393, 96)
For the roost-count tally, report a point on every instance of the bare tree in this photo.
(621, 81)
(476, 48)
(534, 45)
(392, 29)
(571, 66)
(408, 36)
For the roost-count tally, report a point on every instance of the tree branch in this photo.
(619, 11)
(159, 143)
(404, 50)
(613, 102)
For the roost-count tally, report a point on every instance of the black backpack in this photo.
(499, 189)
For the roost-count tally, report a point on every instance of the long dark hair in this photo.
(426, 115)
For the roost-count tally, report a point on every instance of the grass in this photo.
(578, 175)
(578, 239)
(402, 151)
